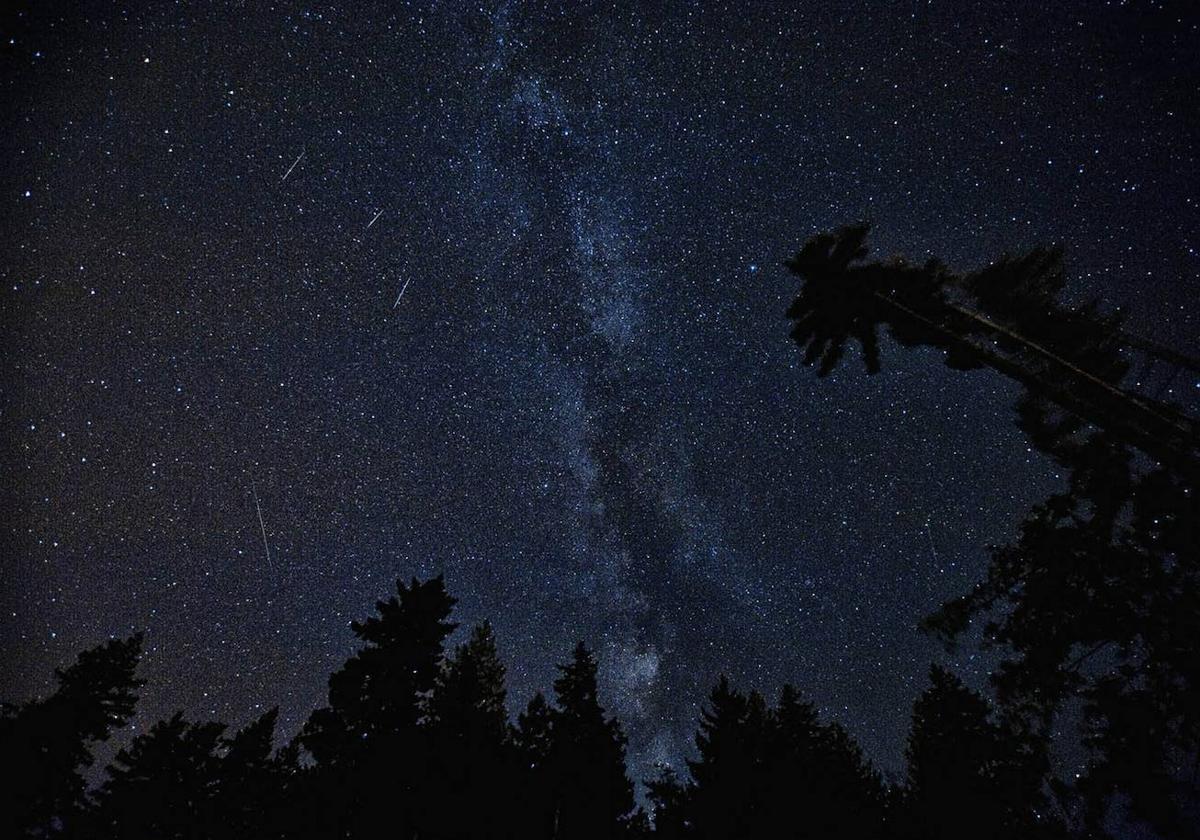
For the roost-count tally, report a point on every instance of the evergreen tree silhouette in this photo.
(186, 780)
(966, 776)
(164, 785)
(1099, 598)
(372, 752)
(47, 743)
(772, 772)
(533, 744)
(728, 773)
(1007, 316)
(593, 797)
(818, 776)
(474, 761)
(670, 801)
(252, 783)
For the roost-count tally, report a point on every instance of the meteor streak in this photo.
(290, 168)
(397, 303)
(262, 526)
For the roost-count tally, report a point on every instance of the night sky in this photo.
(495, 290)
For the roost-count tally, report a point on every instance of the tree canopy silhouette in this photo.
(1099, 598)
(47, 743)
(967, 775)
(769, 772)
(593, 797)
(442, 760)
(369, 746)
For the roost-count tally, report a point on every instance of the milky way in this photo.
(298, 301)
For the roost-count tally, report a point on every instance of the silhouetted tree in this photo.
(670, 798)
(765, 772)
(533, 744)
(46, 744)
(1006, 316)
(819, 777)
(252, 785)
(474, 762)
(1099, 598)
(163, 785)
(729, 771)
(371, 751)
(593, 797)
(967, 777)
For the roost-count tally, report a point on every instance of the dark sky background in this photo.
(555, 366)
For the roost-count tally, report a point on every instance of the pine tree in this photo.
(819, 778)
(1097, 601)
(966, 776)
(370, 744)
(163, 785)
(593, 795)
(47, 743)
(533, 745)
(252, 781)
(473, 759)
(728, 773)
(671, 802)
(1007, 317)
(765, 772)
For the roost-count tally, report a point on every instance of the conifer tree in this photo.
(252, 782)
(818, 776)
(369, 744)
(1098, 599)
(164, 785)
(671, 802)
(727, 773)
(774, 772)
(966, 775)
(473, 758)
(593, 797)
(47, 743)
(533, 745)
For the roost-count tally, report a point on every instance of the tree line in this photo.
(416, 742)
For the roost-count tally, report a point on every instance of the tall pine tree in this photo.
(371, 749)
(166, 784)
(473, 759)
(593, 797)
(967, 775)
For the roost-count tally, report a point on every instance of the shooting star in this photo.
(373, 221)
(262, 526)
(293, 166)
(932, 549)
(397, 303)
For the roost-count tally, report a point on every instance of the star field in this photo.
(495, 290)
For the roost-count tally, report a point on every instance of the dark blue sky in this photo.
(583, 407)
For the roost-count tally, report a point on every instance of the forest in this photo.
(1093, 610)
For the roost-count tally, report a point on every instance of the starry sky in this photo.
(495, 290)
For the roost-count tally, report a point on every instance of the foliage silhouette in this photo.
(593, 797)
(1099, 598)
(474, 763)
(369, 746)
(765, 772)
(968, 776)
(47, 743)
(1007, 316)
(441, 759)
